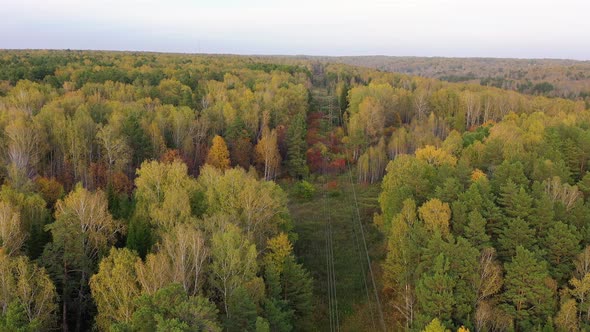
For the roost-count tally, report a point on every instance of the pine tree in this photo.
(464, 264)
(563, 244)
(475, 232)
(296, 147)
(516, 233)
(515, 201)
(527, 298)
(434, 293)
(542, 215)
(243, 311)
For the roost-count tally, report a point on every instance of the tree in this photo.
(475, 231)
(171, 309)
(115, 148)
(516, 233)
(436, 216)
(80, 137)
(218, 155)
(464, 269)
(33, 213)
(434, 292)
(435, 326)
(185, 250)
(267, 153)
(259, 208)
(241, 151)
(406, 177)
(563, 244)
(50, 189)
(243, 311)
(154, 273)
(115, 288)
(566, 319)
(436, 157)
(542, 215)
(28, 299)
(296, 147)
(233, 263)
(83, 230)
(289, 284)
(25, 148)
(165, 195)
(515, 201)
(527, 297)
(12, 234)
(489, 284)
(398, 269)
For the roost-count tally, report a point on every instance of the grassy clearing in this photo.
(310, 218)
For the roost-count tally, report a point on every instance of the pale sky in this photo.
(463, 28)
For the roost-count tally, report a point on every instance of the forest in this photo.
(177, 192)
(547, 77)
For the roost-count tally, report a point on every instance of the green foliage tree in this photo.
(434, 293)
(517, 233)
(296, 147)
(527, 297)
(563, 245)
(171, 309)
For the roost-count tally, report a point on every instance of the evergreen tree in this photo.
(516, 233)
(296, 147)
(475, 232)
(434, 293)
(243, 311)
(515, 201)
(562, 246)
(542, 215)
(527, 297)
(464, 264)
(171, 309)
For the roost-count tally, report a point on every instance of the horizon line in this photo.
(296, 55)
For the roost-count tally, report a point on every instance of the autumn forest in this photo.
(176, 192)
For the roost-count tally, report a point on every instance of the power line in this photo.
(358, 247)
(376, 293)
(330, 266)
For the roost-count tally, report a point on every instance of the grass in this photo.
(310, 218)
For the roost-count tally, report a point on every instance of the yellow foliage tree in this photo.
(12, 232)
(28, 286)
(267, 153)
(218, 155)
(478, 174)
(567, 317)
(115, 288)
(436, 215)
(435, 156)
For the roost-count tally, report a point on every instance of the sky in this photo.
(453, 28)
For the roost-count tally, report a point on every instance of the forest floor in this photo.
(335, 201)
